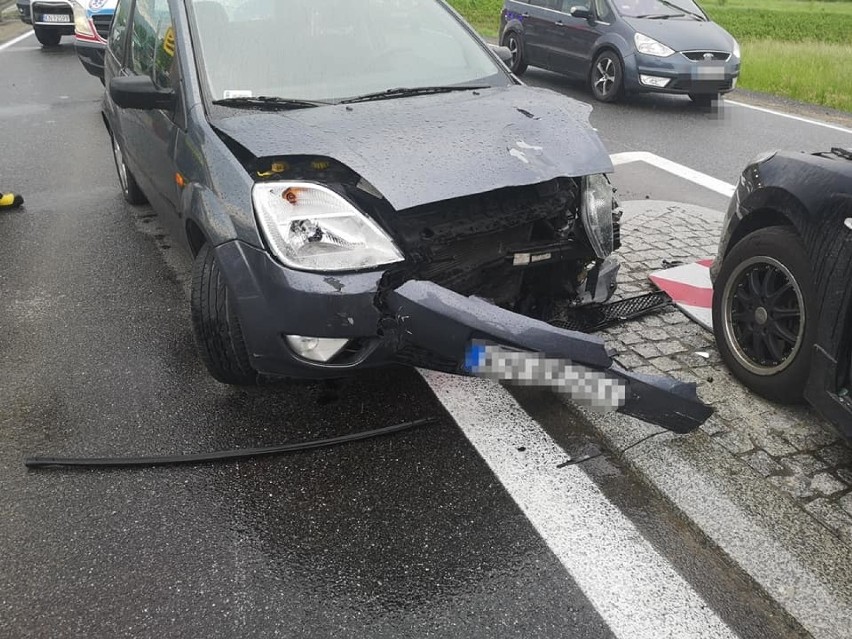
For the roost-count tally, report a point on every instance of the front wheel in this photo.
(515, 43)
(607, 77)
(765, 313)
(215, 324)
(47, 37)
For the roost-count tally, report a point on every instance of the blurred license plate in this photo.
(709, 72)
(55, 17)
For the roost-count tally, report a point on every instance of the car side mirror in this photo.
(581, 12)
(502, 52)
(140, 92)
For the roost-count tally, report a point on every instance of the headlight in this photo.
(310, 227)
(737, 52)
(647, 45)
(596, 213)
(81, 21)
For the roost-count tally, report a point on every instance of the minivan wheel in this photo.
(607, 77)
(764, 313)
(129, 188)
(515, 43)
(215, 324)
(47, 37)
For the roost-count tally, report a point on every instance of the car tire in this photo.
(765, 313)
(215, 324)
(606, 77)
(47, 37)
(515, 43)
(129, 188)
(704, 99)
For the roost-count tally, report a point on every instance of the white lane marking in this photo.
(637, 592)
(15, 41)
(702, 179)
(798, 118)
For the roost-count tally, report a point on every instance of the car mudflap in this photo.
(489, 341)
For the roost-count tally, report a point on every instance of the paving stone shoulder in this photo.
(797, 452)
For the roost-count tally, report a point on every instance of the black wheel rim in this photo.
(764, 315)
(605, 76)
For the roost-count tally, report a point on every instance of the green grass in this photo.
(815, 72)
(801, 49)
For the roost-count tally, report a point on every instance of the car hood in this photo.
(425, 149)
(685, 35)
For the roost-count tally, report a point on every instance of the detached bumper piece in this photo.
(589, 319)
(489, 341)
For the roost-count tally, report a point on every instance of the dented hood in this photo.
(425, 149)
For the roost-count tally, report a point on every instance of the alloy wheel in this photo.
(763, 314)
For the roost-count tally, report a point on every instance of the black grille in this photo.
(699, 56)
(588, 319)
(102, 24)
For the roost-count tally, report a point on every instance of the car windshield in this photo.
(329, 50)
(658, 8)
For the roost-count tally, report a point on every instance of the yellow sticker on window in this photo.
(169, 42)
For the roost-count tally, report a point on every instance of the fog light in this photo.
(654, 81)
(318, 349)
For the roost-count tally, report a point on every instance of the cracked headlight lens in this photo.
(596, 213)
(649, 46)
(312, 228)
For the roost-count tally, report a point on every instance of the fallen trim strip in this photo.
(125, 462)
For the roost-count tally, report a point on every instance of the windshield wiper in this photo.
(269, 102)
(661, 16)
(404, 92)
(677, 7)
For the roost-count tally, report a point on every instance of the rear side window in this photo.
(152, 47)
(547, 4)
(118, 31)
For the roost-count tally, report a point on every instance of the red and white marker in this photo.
(690, 288)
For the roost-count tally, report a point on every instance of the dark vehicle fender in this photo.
(512, 25)
(207, 214)
(615, 42)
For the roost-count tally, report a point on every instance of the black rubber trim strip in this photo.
(127, 462)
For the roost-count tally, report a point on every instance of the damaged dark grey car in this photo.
(362, 182)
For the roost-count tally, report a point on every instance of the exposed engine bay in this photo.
(523, 248)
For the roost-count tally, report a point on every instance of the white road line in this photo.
(636, 591)
(702, 179)
(798, 118)
(15, 41)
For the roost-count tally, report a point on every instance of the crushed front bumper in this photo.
(487, 340)
(423, 324)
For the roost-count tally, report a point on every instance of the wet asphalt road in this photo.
(411, 535)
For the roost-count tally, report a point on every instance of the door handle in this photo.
(525, 15)
(559, 23)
